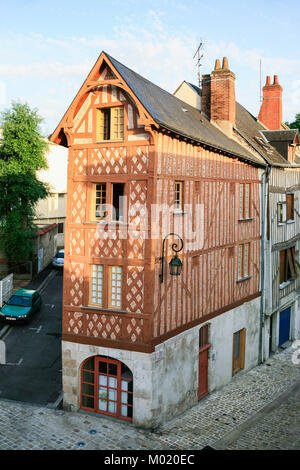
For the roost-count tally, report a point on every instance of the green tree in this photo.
(296, 123)
(22, 154)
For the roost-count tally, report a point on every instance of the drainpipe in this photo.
(264, 196)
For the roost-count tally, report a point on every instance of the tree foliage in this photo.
(22, 154)
(295, 124)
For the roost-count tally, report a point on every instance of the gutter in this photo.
(264, 195)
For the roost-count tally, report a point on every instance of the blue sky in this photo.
(48, 47)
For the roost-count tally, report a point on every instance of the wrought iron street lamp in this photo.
(175, 265)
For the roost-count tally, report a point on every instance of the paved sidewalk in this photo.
(250, 412)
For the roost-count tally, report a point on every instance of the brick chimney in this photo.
(218, 96)
(270, 114)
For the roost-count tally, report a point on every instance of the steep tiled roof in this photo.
(174, 114)
(251, 129)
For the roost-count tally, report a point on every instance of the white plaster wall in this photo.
(166, 381)
(189, 95)
(222, 329)
(175, 376)
(56, 173)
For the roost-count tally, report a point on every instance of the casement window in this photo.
(99, 200)
(281, 212)
(108, 200)
(290, 206)
(178, 202)
(112, 296)
(107, 387)
(243, 260)
(288, 269)
(238, 356)
(96, 285)
(244, 201)
(110, 124)
(115, 287)
(118, 190)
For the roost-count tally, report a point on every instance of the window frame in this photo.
(290, 207)
(283, 219)
(178, 203)
(94, 201)
(287, 262)
(111, 111)
(90, 387)
(244, 195)
(243, 267)
(110, 288)
(91, 303)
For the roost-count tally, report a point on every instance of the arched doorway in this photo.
(107, 387)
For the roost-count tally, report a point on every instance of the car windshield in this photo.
(60, 255)
(19, 301)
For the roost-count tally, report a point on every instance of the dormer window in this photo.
(110, 124)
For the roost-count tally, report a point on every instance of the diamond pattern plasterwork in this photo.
(108, 161)
(135, 289)
(78, 203)
(80, 162)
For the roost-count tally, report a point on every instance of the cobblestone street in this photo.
(257, 410)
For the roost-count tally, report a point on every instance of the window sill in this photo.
(103, 222)
(101, 309)
(245, 220)
(179, 212)
(244, 279)
(285, 284)
(109, 141)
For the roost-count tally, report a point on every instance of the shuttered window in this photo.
(110, 124)
(290, 207)
(288, 269)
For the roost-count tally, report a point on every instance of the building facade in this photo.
(267, 137)
(150, 176)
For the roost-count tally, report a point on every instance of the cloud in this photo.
(151, 48)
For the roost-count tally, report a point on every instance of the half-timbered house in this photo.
(266, 136)
(152, 181)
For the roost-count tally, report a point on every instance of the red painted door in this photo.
(203, 371)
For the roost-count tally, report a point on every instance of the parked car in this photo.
(58, 260)
(21, 306)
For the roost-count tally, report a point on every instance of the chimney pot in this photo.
(217, 64)
(225, 63)
(270, 113)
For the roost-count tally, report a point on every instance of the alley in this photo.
(257, 410)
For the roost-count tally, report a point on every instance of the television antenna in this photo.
(260, 95)
(199, 57)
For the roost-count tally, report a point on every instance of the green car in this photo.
(21, 306)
